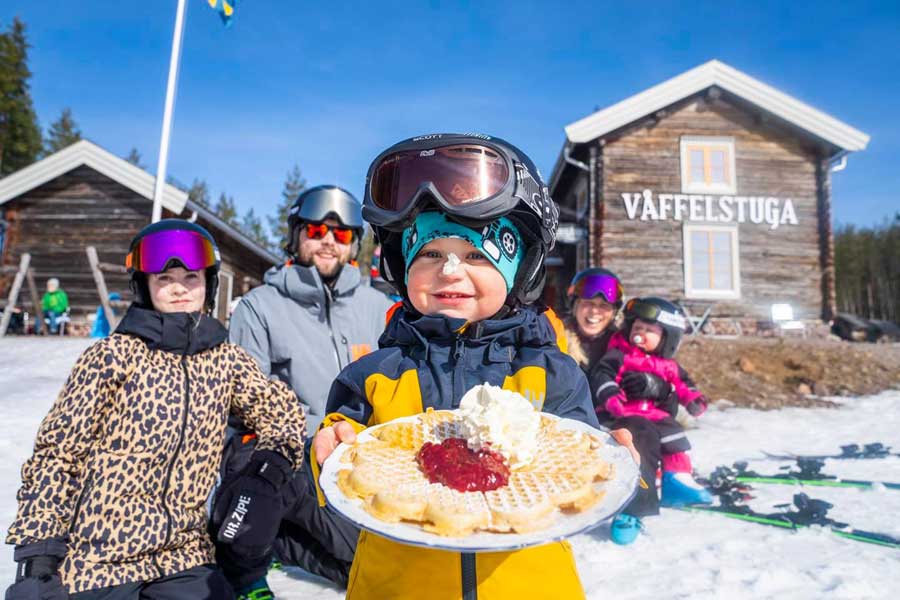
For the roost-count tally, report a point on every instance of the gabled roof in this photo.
(715, 73)
(121, 171)
(87, 153)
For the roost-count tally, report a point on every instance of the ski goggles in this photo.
(600, 284)
(317, 231)
(457, 175)
(636, 308)
(155, 252)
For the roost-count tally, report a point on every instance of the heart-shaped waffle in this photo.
(384, 474)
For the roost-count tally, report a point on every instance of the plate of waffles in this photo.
(389, 482)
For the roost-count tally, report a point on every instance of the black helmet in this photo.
(319, 203)
(662, 312)
(594, 282)
(474, 179)
(168, 243)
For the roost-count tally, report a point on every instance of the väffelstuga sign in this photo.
(774, 212)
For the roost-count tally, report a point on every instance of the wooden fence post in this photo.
(14, 293)
(35, 298)
(101, 287)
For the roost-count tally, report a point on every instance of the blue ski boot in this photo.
(679, 489)
(624, 529)
(258, 590)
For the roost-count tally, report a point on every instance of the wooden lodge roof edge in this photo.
(730, 79)
(85, 152)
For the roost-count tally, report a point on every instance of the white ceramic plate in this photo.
(619, 492)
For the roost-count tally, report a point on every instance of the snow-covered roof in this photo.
(87, 153)
(715, 73)
(121, 171)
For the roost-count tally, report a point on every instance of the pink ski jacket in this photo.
(620, 357)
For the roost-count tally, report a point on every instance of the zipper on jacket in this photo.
(459, 350)
(469, 577)
(184, 418)
(77, 509)
(337, 352)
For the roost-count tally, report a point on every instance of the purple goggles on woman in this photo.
(592, 283)
(155, 252)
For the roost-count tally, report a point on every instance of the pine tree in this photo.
(293, 185)
(134, 157)
(63, 132)
(252, 227)
(226, 209)
(199, 193)
(20, 135)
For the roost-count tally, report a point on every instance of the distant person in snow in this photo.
(113, 499)
(55, 303)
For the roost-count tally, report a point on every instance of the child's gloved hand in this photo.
(697, 406)
(36, 576)
(639, 385)
(328, 438)
(249, 507)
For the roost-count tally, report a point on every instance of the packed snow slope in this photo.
(681, 555)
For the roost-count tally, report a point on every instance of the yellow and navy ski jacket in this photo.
(431, 362)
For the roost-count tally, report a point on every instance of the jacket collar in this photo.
(525, 328)
(304, 285)
(179, 333)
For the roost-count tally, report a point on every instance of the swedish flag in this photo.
(225, 8)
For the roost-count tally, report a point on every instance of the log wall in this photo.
(781, 265)
(56, 221)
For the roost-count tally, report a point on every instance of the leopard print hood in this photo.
(126, 458)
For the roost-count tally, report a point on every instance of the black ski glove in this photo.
(37, 576)
(697, 406)
(250, 505)
(639, 385)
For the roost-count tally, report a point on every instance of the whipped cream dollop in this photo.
(502, 421)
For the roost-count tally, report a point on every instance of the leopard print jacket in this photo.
(129, 452)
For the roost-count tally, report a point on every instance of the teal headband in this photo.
(499, 241)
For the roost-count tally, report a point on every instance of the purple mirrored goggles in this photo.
(592, 285)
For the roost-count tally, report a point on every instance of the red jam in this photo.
(452, 463)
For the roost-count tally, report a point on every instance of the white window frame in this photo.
(706, 294)
(701, 187)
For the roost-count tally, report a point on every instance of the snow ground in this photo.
(682, 555)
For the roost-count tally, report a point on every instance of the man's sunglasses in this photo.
(316, 231)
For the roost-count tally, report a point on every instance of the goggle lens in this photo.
(154, 252)
(642, 310)
(462, 174)
(317, 231)
(591, 286)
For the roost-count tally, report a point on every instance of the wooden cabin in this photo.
(711, 189)
(85, 196)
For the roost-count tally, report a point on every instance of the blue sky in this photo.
(329, 85)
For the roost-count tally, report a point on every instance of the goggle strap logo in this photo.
(673, 320)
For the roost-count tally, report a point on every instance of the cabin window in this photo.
(711, 262)
(707, 165)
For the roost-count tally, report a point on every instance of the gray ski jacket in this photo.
(304, 333)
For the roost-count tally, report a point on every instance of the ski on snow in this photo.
(808, 512)
(808, 472)
(850, 451)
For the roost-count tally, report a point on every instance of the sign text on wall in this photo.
(710, 209)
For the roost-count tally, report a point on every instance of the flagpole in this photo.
(174, 60)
